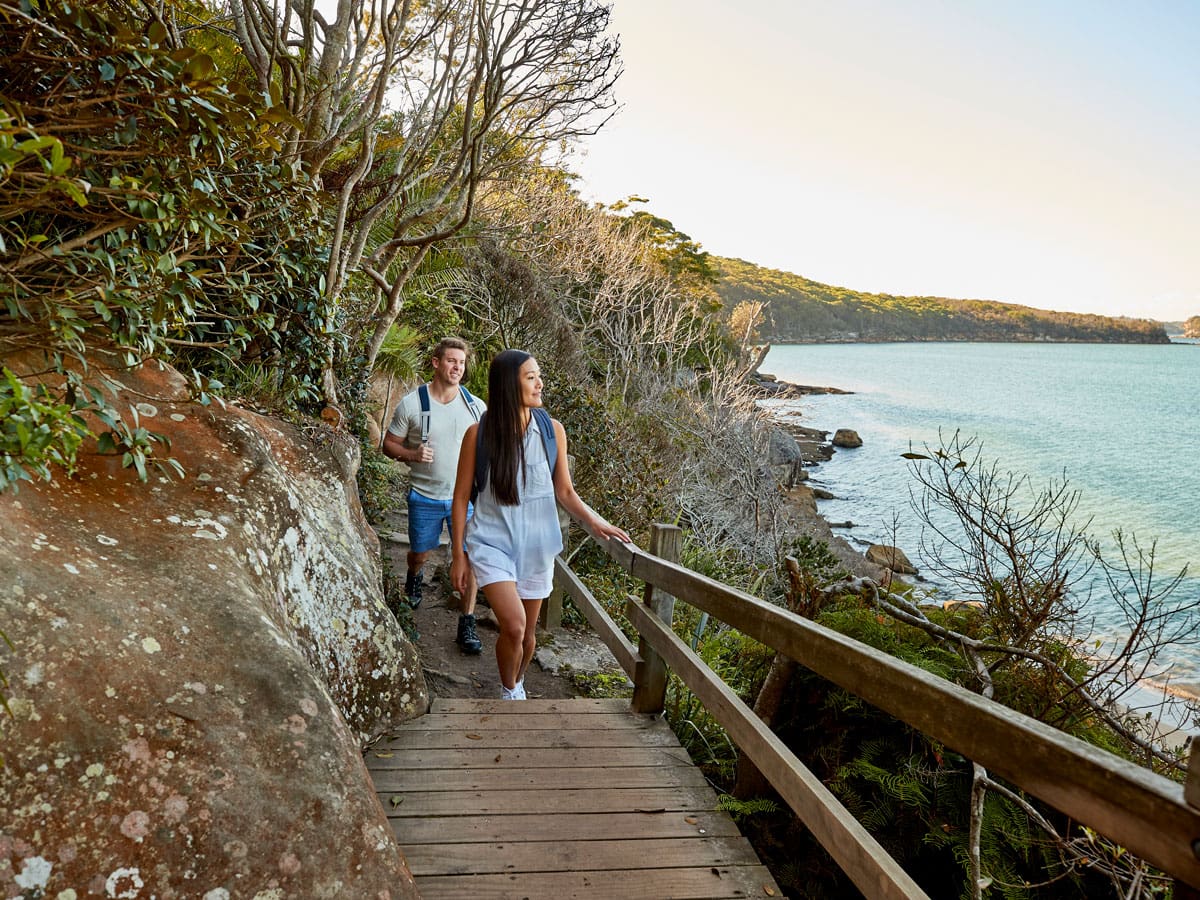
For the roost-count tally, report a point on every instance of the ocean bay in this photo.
(1119, 421)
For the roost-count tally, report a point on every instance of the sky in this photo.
(1045, 153)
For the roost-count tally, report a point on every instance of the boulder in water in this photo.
(890, 558)
(846, 437)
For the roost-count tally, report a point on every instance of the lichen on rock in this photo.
(188, 721)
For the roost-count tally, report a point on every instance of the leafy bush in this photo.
(380, 484)
(142, 218)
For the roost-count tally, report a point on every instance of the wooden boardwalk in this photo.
(557, 799)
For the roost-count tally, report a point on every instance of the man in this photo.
(426, 432)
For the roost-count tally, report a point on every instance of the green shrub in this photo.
(145, 218)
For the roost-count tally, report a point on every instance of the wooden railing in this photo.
(1146, 813)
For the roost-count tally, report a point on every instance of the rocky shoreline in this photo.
(813, 446)
(796, 448)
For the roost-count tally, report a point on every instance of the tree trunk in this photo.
(750, 781)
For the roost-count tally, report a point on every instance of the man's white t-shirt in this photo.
(448, 422)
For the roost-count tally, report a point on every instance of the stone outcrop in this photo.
(785, 390)
(383, 393)
(195, 666)
(803, 500)
(785, 457)
(891, 558)
(846, 437)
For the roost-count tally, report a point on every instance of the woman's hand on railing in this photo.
(602, 529)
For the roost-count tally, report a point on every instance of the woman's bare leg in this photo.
(529, 639)
(510, 615)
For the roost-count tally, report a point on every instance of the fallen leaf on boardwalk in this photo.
(691, 820)
(384, 754)
(396, 801)
(475, 737)
(768, 890)
(497, 759)
(715, 871)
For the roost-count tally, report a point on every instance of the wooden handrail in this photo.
(1138, 809)
(852, 847)
(622, 648)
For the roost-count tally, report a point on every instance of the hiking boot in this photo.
(467, 639)
(413, 582)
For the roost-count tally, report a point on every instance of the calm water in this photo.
(1121, 421)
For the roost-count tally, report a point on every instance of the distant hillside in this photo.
(802, 310)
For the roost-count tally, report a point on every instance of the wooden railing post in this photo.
(1191, 795)
(551, 615)
(1191, 787)
(650, 679)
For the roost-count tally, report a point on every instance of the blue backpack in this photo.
(423, 398)
(549, 444)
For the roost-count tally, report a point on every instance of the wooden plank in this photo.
(523, 708)
(400, 780)
(712, 883)
(562, 826)
(858, 854)
(1143, 812)
(564, 721)
(474, 803)
(660, 735)
(651, 677)
(531, 757)
(622, 648)
(565, 856)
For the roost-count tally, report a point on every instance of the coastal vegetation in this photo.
(285, 210)
(796, 309)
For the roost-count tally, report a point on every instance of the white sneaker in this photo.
(515, 694)
(519, 690)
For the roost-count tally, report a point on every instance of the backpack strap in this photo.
(423, 397)
(472, 405)
(549, 446)
(549, 438)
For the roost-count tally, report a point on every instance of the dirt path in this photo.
(566, 664)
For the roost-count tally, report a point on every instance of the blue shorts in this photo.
(425, 520)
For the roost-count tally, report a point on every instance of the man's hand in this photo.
(423, 454)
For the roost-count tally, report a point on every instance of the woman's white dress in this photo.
(518, 543)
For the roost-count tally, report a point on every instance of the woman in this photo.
(512, 538)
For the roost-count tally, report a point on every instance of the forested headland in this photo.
(290, 207)
(797, 309)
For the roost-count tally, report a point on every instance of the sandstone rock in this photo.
(814, 448)
(195, 666)
(890, 558)
(963, 604)
(846, 437)
(822, 494)
(783, 448)
(383, 394)
(801, 497)
(785, 456)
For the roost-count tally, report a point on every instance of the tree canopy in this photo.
(798, 309)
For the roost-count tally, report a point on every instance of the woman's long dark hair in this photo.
(504, 425)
